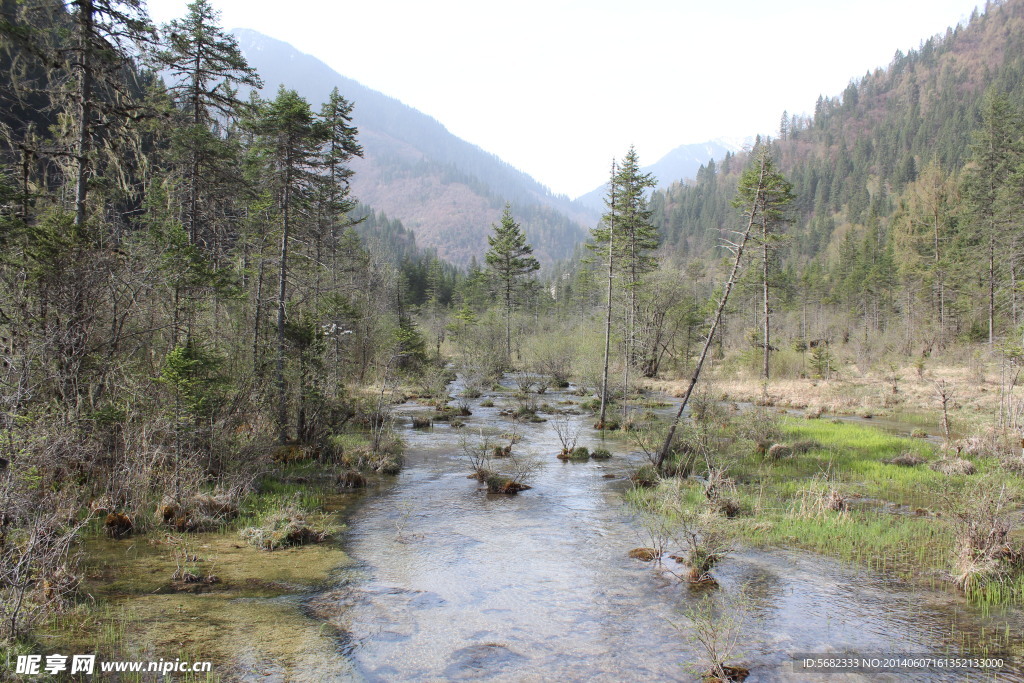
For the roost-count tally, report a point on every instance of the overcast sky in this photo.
(558, 88)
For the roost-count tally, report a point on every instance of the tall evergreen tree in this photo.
(510, 262)
(763, 188)
(636, 236)
(991, 164)
(204, 66)
(290, 140)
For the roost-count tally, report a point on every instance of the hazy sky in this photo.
(558, 88)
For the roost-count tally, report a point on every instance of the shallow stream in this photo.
(448, 582)
(435, 579)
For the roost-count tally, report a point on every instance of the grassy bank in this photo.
(837, 489)
(212, 593)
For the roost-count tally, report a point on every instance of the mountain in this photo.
(681, 163)
(446, 190)
(889, 221)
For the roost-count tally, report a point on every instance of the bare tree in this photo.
(737, 249)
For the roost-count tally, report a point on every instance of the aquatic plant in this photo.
(579, 454)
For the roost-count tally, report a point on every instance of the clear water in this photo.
(452, 583)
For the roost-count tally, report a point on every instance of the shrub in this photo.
(982, 520)
(646, 476)
(500, 483)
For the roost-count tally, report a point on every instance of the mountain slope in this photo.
(445, 189)
(682, 163)
(850, 161)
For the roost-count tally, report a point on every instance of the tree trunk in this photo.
(86, 19)
(282, 393)
(764, 279)
(608, 308)
(663, 453)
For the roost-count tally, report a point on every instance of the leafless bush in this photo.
(478, 451)
(761, 427)
(38, 566)
(717, 625)
(705, 538)
(553, 359)
(666, 516)
(524, 382)
(433, 382)
(568, 430)
(517, 472)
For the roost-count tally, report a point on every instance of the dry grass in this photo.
(954, 466)
(907, 459)
(977, 396)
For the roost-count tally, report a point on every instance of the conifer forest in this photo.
(764, 423)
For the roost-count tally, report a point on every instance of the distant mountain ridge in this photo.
(448, 191)
(682, 163)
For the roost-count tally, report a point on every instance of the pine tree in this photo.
(763, 188)
(204, 66)
(290, 140)
(992, 162)
(510, 263)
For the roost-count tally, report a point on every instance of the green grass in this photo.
(777, 499)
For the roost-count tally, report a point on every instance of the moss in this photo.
(499, 483)
(580, 454)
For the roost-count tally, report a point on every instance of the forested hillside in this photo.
(189, 293)
(904, 212)
(228, 321)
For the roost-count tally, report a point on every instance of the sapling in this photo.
(567, 430)
(716, 625)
